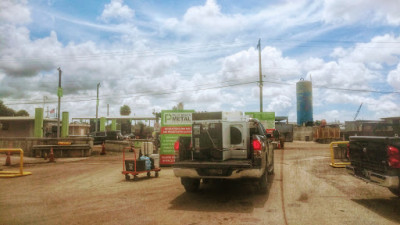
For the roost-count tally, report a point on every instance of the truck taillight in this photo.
(257, 146)
(176, 145)
(394, 157)
(176, 148)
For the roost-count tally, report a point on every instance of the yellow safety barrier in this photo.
(64, 143)
(8, 174)
(342, 155)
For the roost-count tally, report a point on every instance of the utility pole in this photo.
(261, 82)
(108, 109)
(44, 101)
(59, 94)
(97, 105)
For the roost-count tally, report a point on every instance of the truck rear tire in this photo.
(395, 191)
(270, 161)
(282, 141)
(262, 184)
(190, 184)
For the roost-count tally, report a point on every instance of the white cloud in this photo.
(384, 106)
(343, 74)
(209, 20)
(275, 67)
(243, 67)
(116, 10)
(14, 12)
(343, 11)
(30, 65)
(381, 49)
(147, 78)
(394, 78)
(330, 115)
(358, 67)
(22, 57)
(280, 103)
(339, 53)
(209, 17)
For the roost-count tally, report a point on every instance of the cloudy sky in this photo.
(153, 54)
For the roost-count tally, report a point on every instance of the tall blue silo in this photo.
(304, 102)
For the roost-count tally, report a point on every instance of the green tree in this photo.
(22, 112)
(178, 107)
(5, 111)
(125, 110)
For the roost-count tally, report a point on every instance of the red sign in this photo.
(167, 159)
(176, 130)
(269, 131)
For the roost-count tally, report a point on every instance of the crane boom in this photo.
(358, 111)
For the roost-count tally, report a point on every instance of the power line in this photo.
(359, 90)
(144, 53)
(132, 76)
(331, 41)
(144, 92)
(198, 48)
(141, 94)
(174, 91)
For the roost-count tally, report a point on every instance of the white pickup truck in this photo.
(221, 149)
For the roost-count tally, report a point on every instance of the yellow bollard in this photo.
(8, 174)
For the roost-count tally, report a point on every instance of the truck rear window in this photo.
(236, 136)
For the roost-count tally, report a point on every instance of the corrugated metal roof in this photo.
(23, 118)
(391, 118)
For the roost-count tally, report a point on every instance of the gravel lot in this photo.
(304, 190)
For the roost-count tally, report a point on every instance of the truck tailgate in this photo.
(369, 152)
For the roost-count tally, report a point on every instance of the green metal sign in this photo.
(60, 92)
(266, 118)
(174, 123)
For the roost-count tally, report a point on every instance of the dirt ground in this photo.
(304, 190)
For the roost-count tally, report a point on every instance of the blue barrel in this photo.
(304, 102)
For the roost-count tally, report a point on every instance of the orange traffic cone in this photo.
(8, 159)
(51, 156)
(103, 149)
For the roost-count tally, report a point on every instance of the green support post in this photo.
(114, 124)
(119, 125)
(102, 124)
(65, 124)
(38, 127)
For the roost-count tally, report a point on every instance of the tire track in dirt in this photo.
(282, 193)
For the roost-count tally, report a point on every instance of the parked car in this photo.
(101, 136)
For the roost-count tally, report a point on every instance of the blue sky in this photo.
(151, 55)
